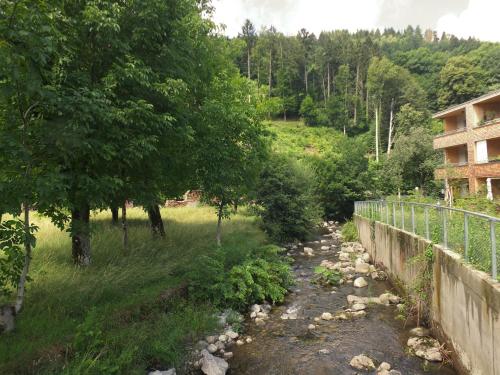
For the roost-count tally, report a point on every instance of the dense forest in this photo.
(368, 81)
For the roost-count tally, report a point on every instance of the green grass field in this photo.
(118, 297)
(295, 139)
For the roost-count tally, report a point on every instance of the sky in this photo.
(464, 18)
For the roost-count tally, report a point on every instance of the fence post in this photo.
(466, 237)
(445, 228)
(493, 250)
(413, 219)
(386, 213)
(394, 214)
(402, 216)
(427, 234)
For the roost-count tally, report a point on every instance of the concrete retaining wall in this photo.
(465, 302)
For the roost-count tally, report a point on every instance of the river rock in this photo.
(167, 372)
(358, 307)
(259, 321)
(211, 339)
(324, 351)
(262, 315)
(220, 345)
(240, 342)
(311, 327)
(222, 338)
(308, 251)
(326, 316)
(360, 282)
(420, 332)
(362, 267)
(384, 366)
(248, 340)
(344, 257)
(389, 298)
(366, 257)
(211, 365)
(255, 308)
(232, 335)
(426, 348)
(362, 362)
(228, 355)
(212, 348)
(325, 247)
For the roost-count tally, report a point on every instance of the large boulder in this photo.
(426, 348)
(362, 362)
(212, 365)
(360, 282)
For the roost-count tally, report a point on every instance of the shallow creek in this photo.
(289, 347)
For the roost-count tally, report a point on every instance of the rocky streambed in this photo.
(348, 329)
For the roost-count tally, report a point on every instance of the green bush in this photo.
(261, 275)
(350, 232)
(325, 276)
(286, 201)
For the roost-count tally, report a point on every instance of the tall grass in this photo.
(118, 295)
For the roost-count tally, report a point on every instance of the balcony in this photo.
(452, 171)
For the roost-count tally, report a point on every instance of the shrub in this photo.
(350, 232)
(343, 178)
(286, 202)
(261, 275)
(325, 276)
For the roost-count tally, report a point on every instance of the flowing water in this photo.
(288, 347)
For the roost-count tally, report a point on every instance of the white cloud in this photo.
(479, 20)
(289, 16)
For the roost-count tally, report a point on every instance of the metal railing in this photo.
(473, 235)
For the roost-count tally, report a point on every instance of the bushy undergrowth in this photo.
(236, 282)
(325, 276)
(350, 232)
(285, 199)
(110, 318)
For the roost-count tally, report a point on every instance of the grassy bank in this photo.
(295, 139)
(110, 318)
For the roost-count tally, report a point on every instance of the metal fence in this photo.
(473, 235)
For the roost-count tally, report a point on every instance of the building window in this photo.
(481, 152)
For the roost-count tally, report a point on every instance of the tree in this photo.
(342, 177)
(235, 140)
(285, 194)
(460, 80)
(412, 162)
(308, 110)
(28, 51)
(249, 35)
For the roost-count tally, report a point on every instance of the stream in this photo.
(289, 347)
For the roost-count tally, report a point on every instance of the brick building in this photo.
(471, 146)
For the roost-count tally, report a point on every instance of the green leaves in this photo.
(12, 241)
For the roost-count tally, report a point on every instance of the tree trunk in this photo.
(80, 240)
(248, 64)
(27, 260)
(125, 225)
(114, 215)
(391, 128)
(329, 81)
(156, 221)
(367, 100)
(219, 223)
(376, 132)
(305, 77)
(356, 96)
(270, 78)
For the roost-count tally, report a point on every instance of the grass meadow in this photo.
(84, 321)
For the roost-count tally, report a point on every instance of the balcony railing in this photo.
(450, 132)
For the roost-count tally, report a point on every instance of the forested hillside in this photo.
(356, 81)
